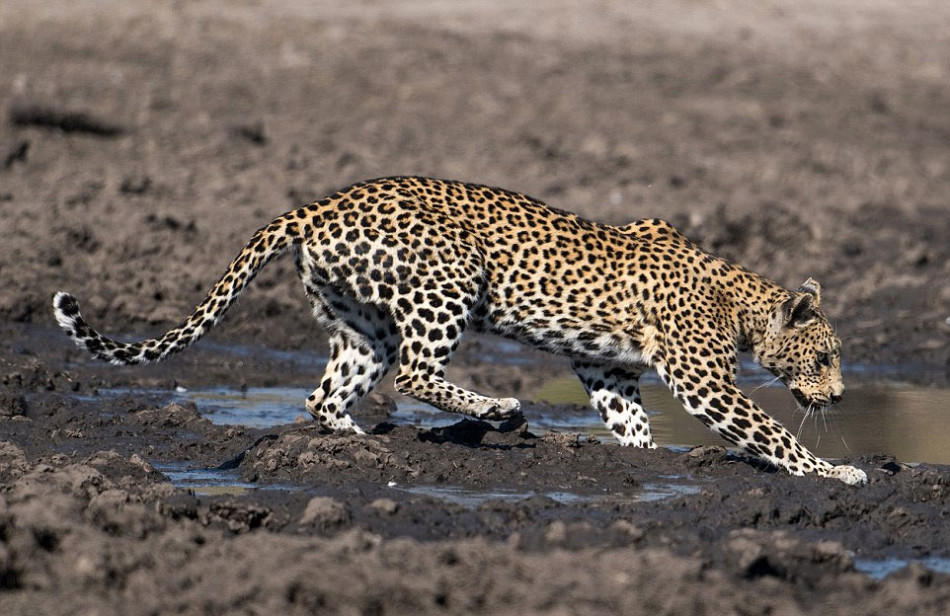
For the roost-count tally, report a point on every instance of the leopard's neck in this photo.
(753, 298)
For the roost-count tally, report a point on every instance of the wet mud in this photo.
(143, 142)
(132, 504)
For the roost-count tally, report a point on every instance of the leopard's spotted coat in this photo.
(397, 269)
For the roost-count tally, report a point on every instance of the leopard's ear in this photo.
(812, 287)
(799, 309)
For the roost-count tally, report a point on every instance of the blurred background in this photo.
(142, 142)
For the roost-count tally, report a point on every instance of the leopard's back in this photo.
(549, 277)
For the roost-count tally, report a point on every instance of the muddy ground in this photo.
(311, 521)
(142, 143)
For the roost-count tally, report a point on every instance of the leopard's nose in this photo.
(836, 398)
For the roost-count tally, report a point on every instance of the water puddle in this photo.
(262, 407)
(472, 498)
(218, 482)
(210, 481)
(881, 568)
(872, 418)
(652, 492)
(499, 351)
(257, 407)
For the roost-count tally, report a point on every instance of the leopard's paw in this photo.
(848, 474)
(339, 425)
(501, 409)
(636, 441)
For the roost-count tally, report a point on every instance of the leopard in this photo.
(396, 269)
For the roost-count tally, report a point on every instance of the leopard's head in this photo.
(801, 348)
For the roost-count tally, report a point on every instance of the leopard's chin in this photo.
(820, 403)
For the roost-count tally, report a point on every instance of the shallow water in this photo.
(908, 422)
(472, 498)
(210, 481)
(258, 407)
(905, 421)
(880, 569)
(218, 482)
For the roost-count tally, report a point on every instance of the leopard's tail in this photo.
(267, 243)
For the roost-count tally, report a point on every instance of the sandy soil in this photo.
(142, 142)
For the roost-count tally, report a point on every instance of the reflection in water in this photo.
(258, 407)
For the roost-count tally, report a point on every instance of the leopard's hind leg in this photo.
(429, 337)
(363, 347)
(362, 350)
(414, 311)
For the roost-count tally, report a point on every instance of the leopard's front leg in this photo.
(615, 393)
(724, 408)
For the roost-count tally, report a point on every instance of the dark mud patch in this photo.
(68, 121)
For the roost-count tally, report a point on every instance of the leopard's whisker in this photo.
(766, 384)
(841, 436)
(798, 434)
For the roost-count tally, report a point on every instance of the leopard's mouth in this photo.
(810, 402)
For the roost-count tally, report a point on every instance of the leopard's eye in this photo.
(823, 359)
